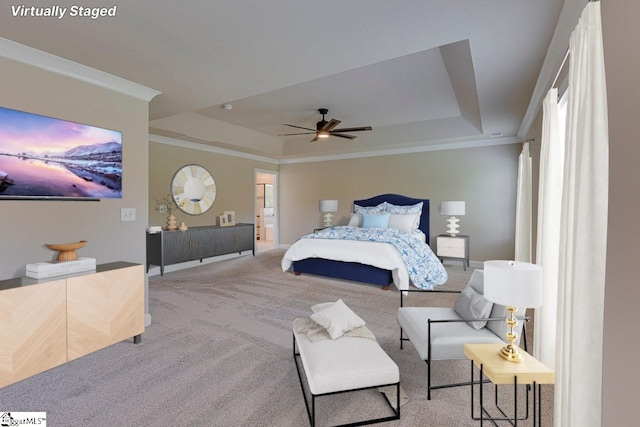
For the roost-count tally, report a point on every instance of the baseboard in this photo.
(473, 264)
(476, 264)
(155, 270)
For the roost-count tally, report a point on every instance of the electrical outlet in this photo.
(128, 214)
(162, 208)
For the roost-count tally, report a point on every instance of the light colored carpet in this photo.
(219, 354)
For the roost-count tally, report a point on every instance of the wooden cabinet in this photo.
(46, 323)
(33, 330)
(104, 308)
(453, 247)
(172, 247)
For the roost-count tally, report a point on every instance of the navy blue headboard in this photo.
(397, 199)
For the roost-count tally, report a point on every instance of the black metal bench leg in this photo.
(428, 380)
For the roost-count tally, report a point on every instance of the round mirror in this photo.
(193, 189)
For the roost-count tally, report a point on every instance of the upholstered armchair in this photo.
(440, 333)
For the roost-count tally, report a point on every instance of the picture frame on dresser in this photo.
(230, 217)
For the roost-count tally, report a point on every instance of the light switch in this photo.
(128, 214)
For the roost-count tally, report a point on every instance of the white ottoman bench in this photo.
(343, 365)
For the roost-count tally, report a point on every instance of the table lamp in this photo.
(451, 209)
(328, 207)
(513, 284)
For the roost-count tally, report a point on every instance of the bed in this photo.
(347, 260)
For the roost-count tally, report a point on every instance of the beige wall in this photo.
(621, 376)
(234, 177)
(485, 178)
(28, 225)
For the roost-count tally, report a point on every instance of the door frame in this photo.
(276, 208)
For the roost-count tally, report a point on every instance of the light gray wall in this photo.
(485, 178)
(28, 225)
(621, 375)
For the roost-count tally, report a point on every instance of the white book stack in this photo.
(45, 270)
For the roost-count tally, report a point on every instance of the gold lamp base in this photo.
(511, 351)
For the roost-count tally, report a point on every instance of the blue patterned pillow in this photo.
(370, 209)
(396, 209)
(375, 220)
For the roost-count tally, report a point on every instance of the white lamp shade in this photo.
(513, 283)
(328, 206)
(452, 208)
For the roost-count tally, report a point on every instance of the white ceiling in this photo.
(420, 72)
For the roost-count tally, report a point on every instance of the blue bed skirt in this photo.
(344, 270)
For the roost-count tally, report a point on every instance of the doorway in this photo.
(266, 210)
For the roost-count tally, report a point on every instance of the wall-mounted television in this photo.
(47, 158)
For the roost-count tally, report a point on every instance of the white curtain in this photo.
(523, 206)
(548, 238)
(583, 231)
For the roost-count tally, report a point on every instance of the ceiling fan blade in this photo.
(353, 129)
(299, 127)
(330, 124)
(301, 133)
(314, 139)
(340, 135)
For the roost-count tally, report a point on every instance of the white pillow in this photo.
(337, 319)
(355, 220)
(471, 305)
(321, 306)
(404, 222)
(397, 209)
(476, 281)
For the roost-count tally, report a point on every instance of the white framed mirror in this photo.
(193, 189)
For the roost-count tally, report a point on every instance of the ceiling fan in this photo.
(324, 128)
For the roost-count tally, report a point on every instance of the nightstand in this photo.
(453, 247)
(530, 372)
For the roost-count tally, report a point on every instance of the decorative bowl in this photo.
(67, 250)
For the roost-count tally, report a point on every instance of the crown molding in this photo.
(202, 147)
(553, 60)
(453, 145)
(37, 58)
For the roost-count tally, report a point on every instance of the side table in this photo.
(453, 247)
(499, 371)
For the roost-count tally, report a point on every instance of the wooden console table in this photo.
(48, 322)
(499, 371)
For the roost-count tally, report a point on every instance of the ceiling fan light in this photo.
(323, 134)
